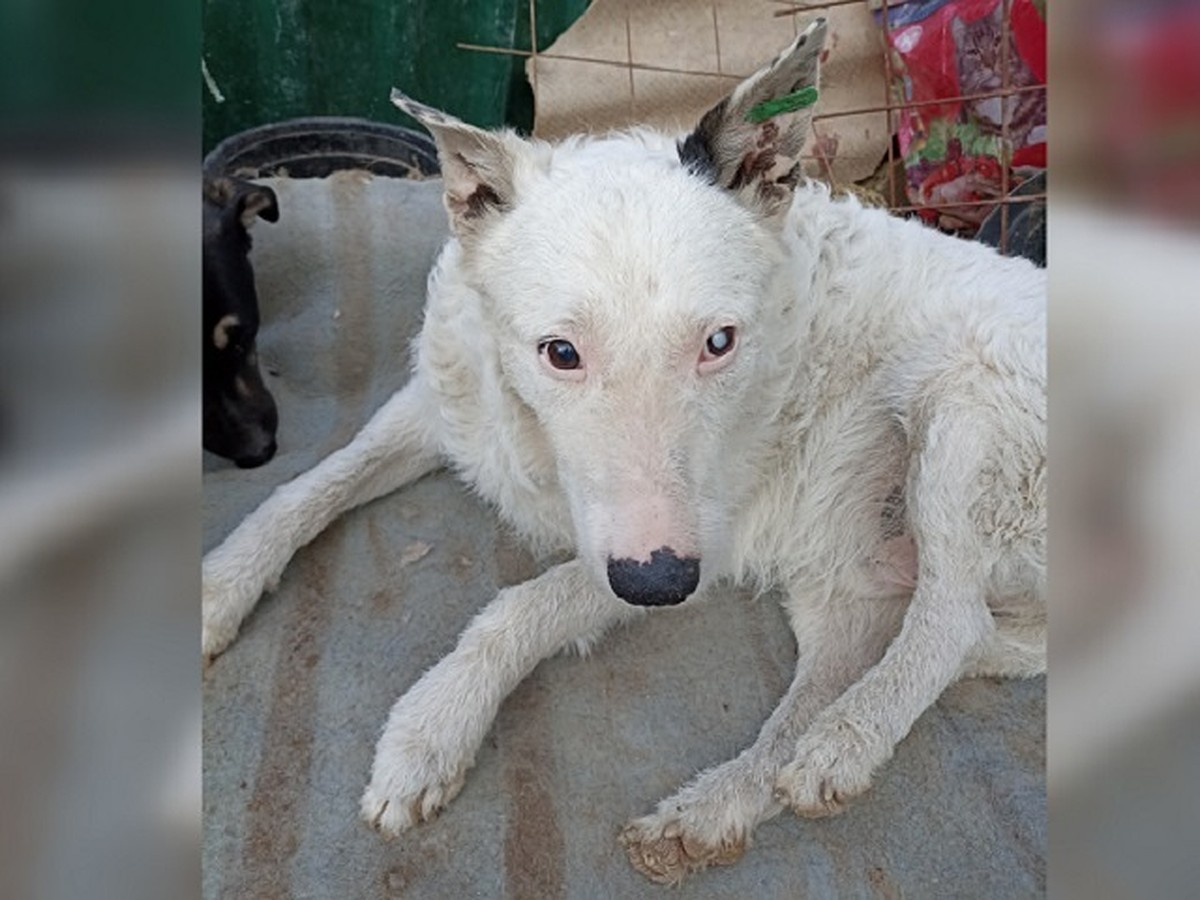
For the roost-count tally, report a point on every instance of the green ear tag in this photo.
(769, 109)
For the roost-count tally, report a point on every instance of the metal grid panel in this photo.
(890, 104)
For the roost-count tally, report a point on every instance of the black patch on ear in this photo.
(792, 178)
(696, 151)
(481, 201)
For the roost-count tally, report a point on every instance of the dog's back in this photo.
(893, 321)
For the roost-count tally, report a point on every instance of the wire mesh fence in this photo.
(959, 140)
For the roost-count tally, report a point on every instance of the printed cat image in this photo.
(981, 63)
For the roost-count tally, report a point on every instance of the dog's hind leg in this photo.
(946, 623)
(396, 446)
(711, 820)
(435, 729)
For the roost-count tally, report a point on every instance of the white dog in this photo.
(678, 360)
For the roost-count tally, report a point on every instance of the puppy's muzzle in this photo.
(257, 457)
(664, 580)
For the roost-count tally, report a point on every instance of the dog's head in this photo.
(239, 412)
(630, 284)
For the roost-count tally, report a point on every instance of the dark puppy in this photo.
(239, 412)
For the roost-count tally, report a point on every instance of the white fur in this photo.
(880, 423)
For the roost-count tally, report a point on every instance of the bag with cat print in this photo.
(954, 151)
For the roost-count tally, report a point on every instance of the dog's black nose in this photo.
(253, 460)
(663, 581)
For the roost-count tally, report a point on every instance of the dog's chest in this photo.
(831, 503)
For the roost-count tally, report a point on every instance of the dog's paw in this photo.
(408, 786)
(834, 762)
(229, 594)
(220, 616)
(665, 849)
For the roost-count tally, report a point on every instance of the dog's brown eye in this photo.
(561, 354)
(720, 342)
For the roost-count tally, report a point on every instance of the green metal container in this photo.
(270, 60)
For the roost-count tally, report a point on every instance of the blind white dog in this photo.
(694, 369)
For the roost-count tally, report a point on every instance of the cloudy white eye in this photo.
(719, 344)
(560, 354)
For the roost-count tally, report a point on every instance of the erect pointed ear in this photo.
(477, 165)
(750, 142)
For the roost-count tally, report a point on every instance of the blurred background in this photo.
(106, 111)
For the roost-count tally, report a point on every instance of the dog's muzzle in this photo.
(663, 581)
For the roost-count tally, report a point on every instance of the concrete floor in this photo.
(293, 709)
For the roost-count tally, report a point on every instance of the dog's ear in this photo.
(477, 165)
(257, 201)
(750, 142)
(243, 200)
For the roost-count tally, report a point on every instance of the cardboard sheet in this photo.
(665, 63)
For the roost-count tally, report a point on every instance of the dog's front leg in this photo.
(396, 446)
(836, 757)
(711, 820)
(946, 621)
(435, 729)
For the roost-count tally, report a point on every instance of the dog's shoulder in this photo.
(456, 350)
(875, 273)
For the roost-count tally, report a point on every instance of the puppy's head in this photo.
(632, 289)
(239, 412)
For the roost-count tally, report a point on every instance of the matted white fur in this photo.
(872, 441)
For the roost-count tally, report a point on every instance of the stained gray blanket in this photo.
(293, 708)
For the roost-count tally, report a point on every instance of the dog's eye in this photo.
(720, 342)
(561, 354)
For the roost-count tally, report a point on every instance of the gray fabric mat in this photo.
(293, 708)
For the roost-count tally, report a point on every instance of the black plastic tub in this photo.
(316, 147)
(1026, 235)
